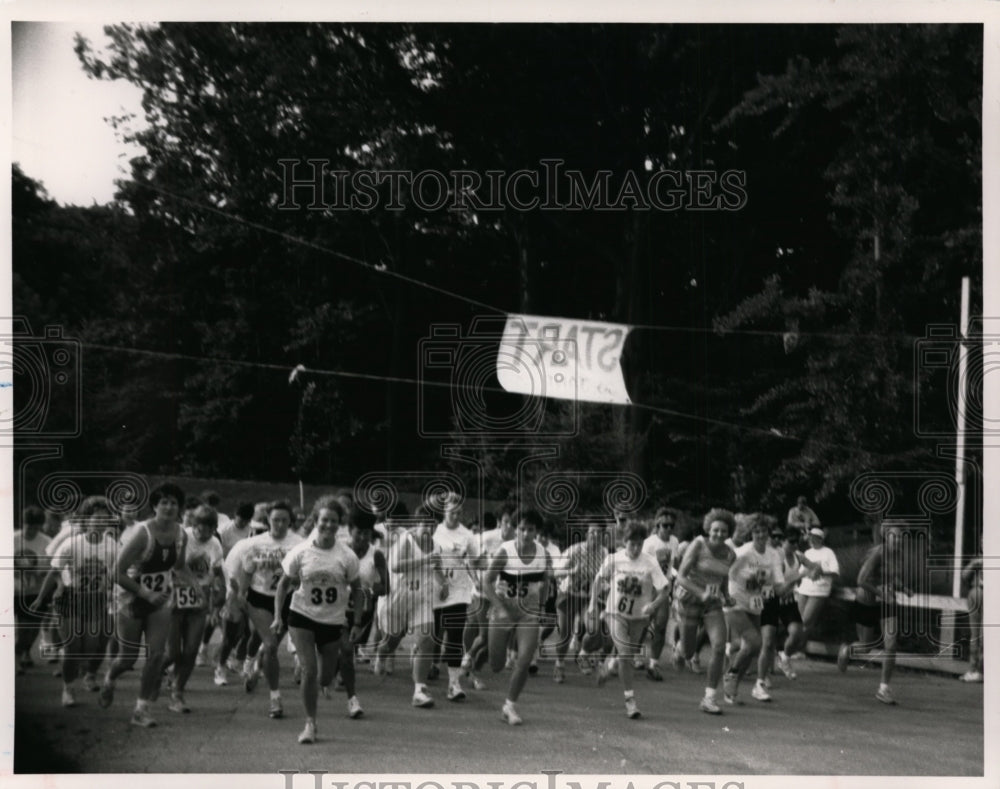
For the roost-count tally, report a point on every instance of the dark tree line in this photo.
(783, 361)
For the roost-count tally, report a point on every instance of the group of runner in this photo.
(343, 577)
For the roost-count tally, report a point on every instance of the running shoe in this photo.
(533, 667)
(613, 665)
(708, 705)
(90, 683)
(308, 735)
(467, 663)
(276, 710)
(695, 665)
(68, 699)
(378, 666)
(843, 657)
(654, 673)
(250, 681)
(639, 663)
(220, 676)
(177, 703)
(422, 699)
(233, 664)
(632, 709)
(785, 666)
(583, 663)
(107, 694)
(885, 696)
(477, 683)
(143, 718)
(558, 675)
(760, 693)
(509, 714)
(729, 689)
(603, 672)
(354, 708)
(455, 692)
(971, 676)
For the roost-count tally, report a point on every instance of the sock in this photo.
(453, 675)
(275, 694)
(141, 705)
(653, 663)
(629, 694)
(419, 686)
(508, 703)
(882, 686)
(710, 693)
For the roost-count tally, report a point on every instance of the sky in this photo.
(59, 135)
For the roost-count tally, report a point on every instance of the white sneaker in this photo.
(354, 708)
(785, 666)
(760, 693)
(639, 663)
(477, 683)
(467, 662)
(729, 690)
(422, 699)
(308, 735)
(708, 705)
(971, 676)
(220, 676)
(177, 703)
(632, 709)
(885, 696)
(455, 692)
(68, 699)
(90, 683)
(509, 714)
(143, 719)
(233, 664)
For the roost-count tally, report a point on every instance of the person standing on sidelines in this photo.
(459, 549)
(802, 517)
(30, 561)
(324, 574)
(415, 567)
(702, 582)
(638, 588)
(152, 556)
(260, 574)
(516, 584)
(880, 577)
(662, 545)
(83, 564)
(972, 574)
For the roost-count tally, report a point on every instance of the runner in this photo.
(258, 579)
(414, 562)
(880, 577)
(373, 579)
(324, 574)
(30, 561)
(638, 588)
(83, 564)
(149, 560)
(516, 584)
(815, 588)
(701, 591)
(581, 562)
(973, 575)
(476, 628)
(194, 602)
(662, 545)
(756, 579)
(550, 619)
(783, 610)
(233, 616)
(459, 548)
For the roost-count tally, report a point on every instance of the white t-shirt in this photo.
(324, 576)
(753, 575)
(262, 559)
(827, 559)
(459, 547)
(632, 583)
(86, 562)
(31, 561)
(664, 551)
(201, 559)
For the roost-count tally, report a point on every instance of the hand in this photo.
(155, 599)
(277, 625)
(443, 594)
(648, 610)
(355, 635)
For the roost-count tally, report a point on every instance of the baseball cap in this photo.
(816, 531)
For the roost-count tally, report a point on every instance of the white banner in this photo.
(563, 358)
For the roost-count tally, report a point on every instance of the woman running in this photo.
(415, 571)
(581, 563)
(84, 564)
(637, 589)
(782, 610)
(261, 572)
(815, 588)
(516, 584)
(147, 564)
(324, 573)
(193, 602)
(701, 591)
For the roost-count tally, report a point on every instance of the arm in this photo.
(866, 575)
(48, 587)
(662, 595)
(378, 589)
(971, 568)
(600, 581)
(690, 557)
(359, 599)
(489, 583)
(284, 585)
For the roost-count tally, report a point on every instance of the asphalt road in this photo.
(823, 723)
